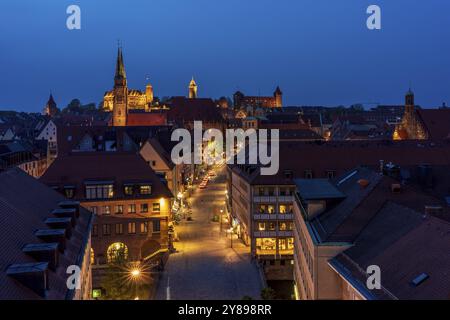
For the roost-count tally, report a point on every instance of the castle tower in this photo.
(278, 97)
(120, 93)
(149, 94)
(192, 89)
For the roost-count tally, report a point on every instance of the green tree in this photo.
(268, 294)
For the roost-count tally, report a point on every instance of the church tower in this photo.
(50, 108)
(409, 102)
(193, 89)
(120, 93)
(278, 97)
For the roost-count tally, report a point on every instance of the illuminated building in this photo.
(193, 89)
(243, 101)
(131, 204)
(411, 128)
(50, 108)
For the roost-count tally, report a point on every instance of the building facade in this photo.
(243, 101)
(131, 204)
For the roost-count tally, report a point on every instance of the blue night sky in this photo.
(319, 51)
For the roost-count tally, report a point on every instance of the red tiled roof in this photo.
(119, 167)
(436, 122)
(320, 157)
(146, 119)
(183, 109)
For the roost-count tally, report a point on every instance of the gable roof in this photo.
(436, 122)
(120, 167)
(24, 204)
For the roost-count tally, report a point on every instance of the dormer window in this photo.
(331, 174)
(99, 190)
(69, 192)
(145, 189)
(128, 189)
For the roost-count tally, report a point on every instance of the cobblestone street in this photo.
(205, 266)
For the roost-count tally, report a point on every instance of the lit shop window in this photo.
(266, 243)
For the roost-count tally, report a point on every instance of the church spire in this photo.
(120, 68)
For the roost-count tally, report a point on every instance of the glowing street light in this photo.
(135, 273)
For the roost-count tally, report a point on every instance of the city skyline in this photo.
(306, 54)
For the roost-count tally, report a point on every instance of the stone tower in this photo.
(278, 97)
(50, 108)
(148, 95)
(192, 89)
(120, 93)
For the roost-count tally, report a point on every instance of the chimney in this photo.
(47, 252)
(31, 275)
(61, 223)
(53, 235)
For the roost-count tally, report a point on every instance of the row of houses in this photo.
(282, 217)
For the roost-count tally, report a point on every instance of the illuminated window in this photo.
(144, 227)
(271, 226)
(145, 189)
(144, 207)
(261, 226)
(119, 228)
(266, 243)
(107, 209)
(128, 190)
(282, 226)
(271, 209)
(119, 209)
(69, 192)
(105, 191)
(132, 227)
(156, 207)
(92, 256)
(93, 210)
(286, 244)
(106, 229)
(131, 208)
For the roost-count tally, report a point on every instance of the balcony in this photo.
(272, 234)
(273, 216)
(265, 199)
(286, 198)
(264, 216)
